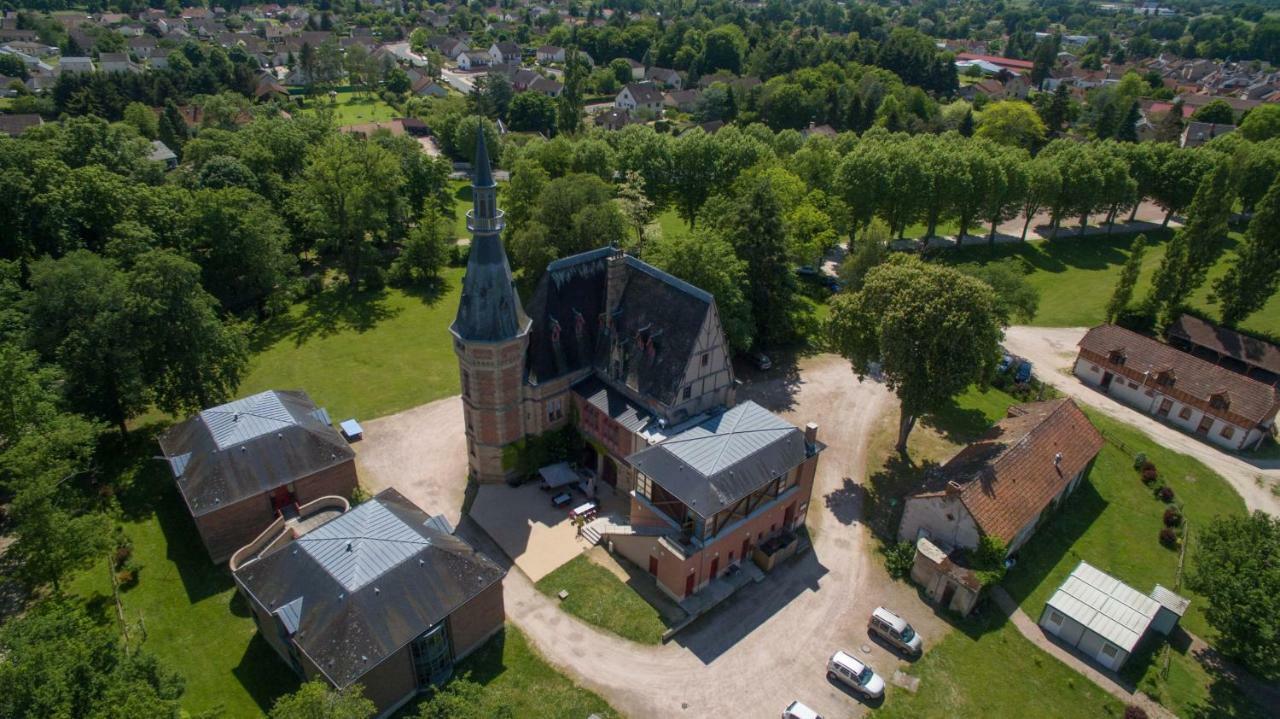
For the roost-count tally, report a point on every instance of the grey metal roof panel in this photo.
(1108, 607)
(1170, 600)
(250, 446)
(362, 544)
(347, 633)
(613, 403)
(723, 459)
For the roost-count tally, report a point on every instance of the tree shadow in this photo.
(956, 424)
(264, 674)
(898, 477)
(1055, 539)
(847, 501)
(429, 292)
(1233, 691)
(342, 309)
(776, 388)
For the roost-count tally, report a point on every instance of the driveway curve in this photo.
(1053, 351)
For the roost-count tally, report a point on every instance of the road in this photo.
(1053, 349)
(461, 82)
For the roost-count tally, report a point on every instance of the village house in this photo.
(636, 361)
(1105, 619)
(1196, 134)
(1218, 405)
(505, 52)
(381, 595)
(240, 465)
(1006, 484)
(639, 96)
(70, 65)
(664, 77)
(550, 53)
(474, 59)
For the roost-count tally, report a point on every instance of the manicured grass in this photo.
(985, 668)
(362, 354)
(185, 606)
(670, 223)
(598, 597)
(462, 203)
(351, 108)
(519, 683)
(1075, 277)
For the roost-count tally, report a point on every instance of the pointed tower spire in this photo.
(490, 309)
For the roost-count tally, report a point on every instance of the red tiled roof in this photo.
(996, 60)
(1248, 350)
(1195, 381)
(1007, 478)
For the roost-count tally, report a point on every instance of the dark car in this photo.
(1023, 374)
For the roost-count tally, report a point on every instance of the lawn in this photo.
(364, 354)
(461, 205)
(519, 683)
(350, 108)
(185, 606)
(670, 223)
(985, 668)
(1075, 277)
(598, 597)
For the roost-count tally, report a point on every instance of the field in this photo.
(597, 597)
(363, 354)
(350, 108)
(1111, 521)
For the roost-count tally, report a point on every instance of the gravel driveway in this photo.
(1053, 351)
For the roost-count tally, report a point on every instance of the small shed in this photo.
(1100, 616)
(1172, 608)
(945, 582)
(352, 430)
(558, 475)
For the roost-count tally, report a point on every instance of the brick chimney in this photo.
(810, 436)
(615, 279)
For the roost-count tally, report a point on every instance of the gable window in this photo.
(706, 358)
(1165, 379)
(555, 409)
(688, 391)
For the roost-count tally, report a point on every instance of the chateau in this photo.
(638, 361)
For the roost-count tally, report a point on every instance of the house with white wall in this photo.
(1219, 406)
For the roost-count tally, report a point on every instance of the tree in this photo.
(520, 196)
(59, 662)
(569, 104)
(868, 251)
(1255, 274)
(1128, 279)
(1008, 189)
(532, 112)
(755, 229)
(462, 698)
(241, 245)
(1217, 112)
(693, 172)
(932, 330)
(190, 359)
(636, 206)
(705, 259)
(1016, 298)
(722, 49)
(1196, 246)
(1261, 123)
(1013, 123)
(1235, 568)
(398, 81)
(491, 96)
(222, 171)
(425, 251)
(54, 537)
(79, 321)
(1169, 125)
(346, 196)
(143, 119)
(1058, 112)
(317, 700)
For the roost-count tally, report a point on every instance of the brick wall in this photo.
(477, 620)
(339, 480)
(225, 530)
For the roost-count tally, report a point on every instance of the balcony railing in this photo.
(485, 224)
(286, 529)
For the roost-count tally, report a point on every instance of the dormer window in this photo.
(1165, 378)
(1116, 357)
(1220, 400)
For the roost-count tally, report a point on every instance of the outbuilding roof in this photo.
(250, 446)
(1228, 342)
(1105, 605)
(355, 590)
(717, 462)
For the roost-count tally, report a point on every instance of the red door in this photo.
(281, 498)
(715, 567)
(746, 547)
(688, 585)
(653, 566)
(789, 515)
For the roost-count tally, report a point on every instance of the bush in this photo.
(1165, 494)
(1172, 517)
(359, 495)
(1135, 712)
(458, 255)
(1139, 460)
(1149, 472)
(1168, 537)
(899, 558)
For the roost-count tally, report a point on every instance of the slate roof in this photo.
(712, 465)
(1010, 475)
(613, 403)
(645, 93)
(648, 340)
(250, 446)
(1108, 607)
(14, 125)
(1195, 380)
(1227, 342)
(349, 611)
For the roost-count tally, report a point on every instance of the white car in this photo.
(842, 667)
(796, 710)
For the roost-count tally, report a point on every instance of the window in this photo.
(1165, 379)
(1055, 617)
(688, 392)
(466, 384)
(1219, 401)
(642, 485)
(1228, 431)
(555, 409)
(1116, 357)
(1185, 413)
(1109, 650)
(1133, 385)
(706, 358)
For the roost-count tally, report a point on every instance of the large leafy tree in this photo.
(705, 259)
(932, 331)
(317, 700)
(756, 231)
(242, 247)
(1236, 567)
(1013, 123)
(1255, 274)
(61, 663)
(694, 175)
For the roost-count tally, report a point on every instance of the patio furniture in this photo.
(561, 499)
(587, 510)
(556, 476)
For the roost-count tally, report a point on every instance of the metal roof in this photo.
(347, 615)
(360, 545)
(723, 459)
(1108, 607)
(1166, 598)
(613, 403)
(250, 446)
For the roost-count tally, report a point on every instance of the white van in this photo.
(895, 630)
(857, 676)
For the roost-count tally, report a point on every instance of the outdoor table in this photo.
(587, 509)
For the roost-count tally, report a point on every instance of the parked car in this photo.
(1023, 373)
(894, 630)
(796, 710)
(842, 667)
(761, 361)
(807, 271)
(1005, 363)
